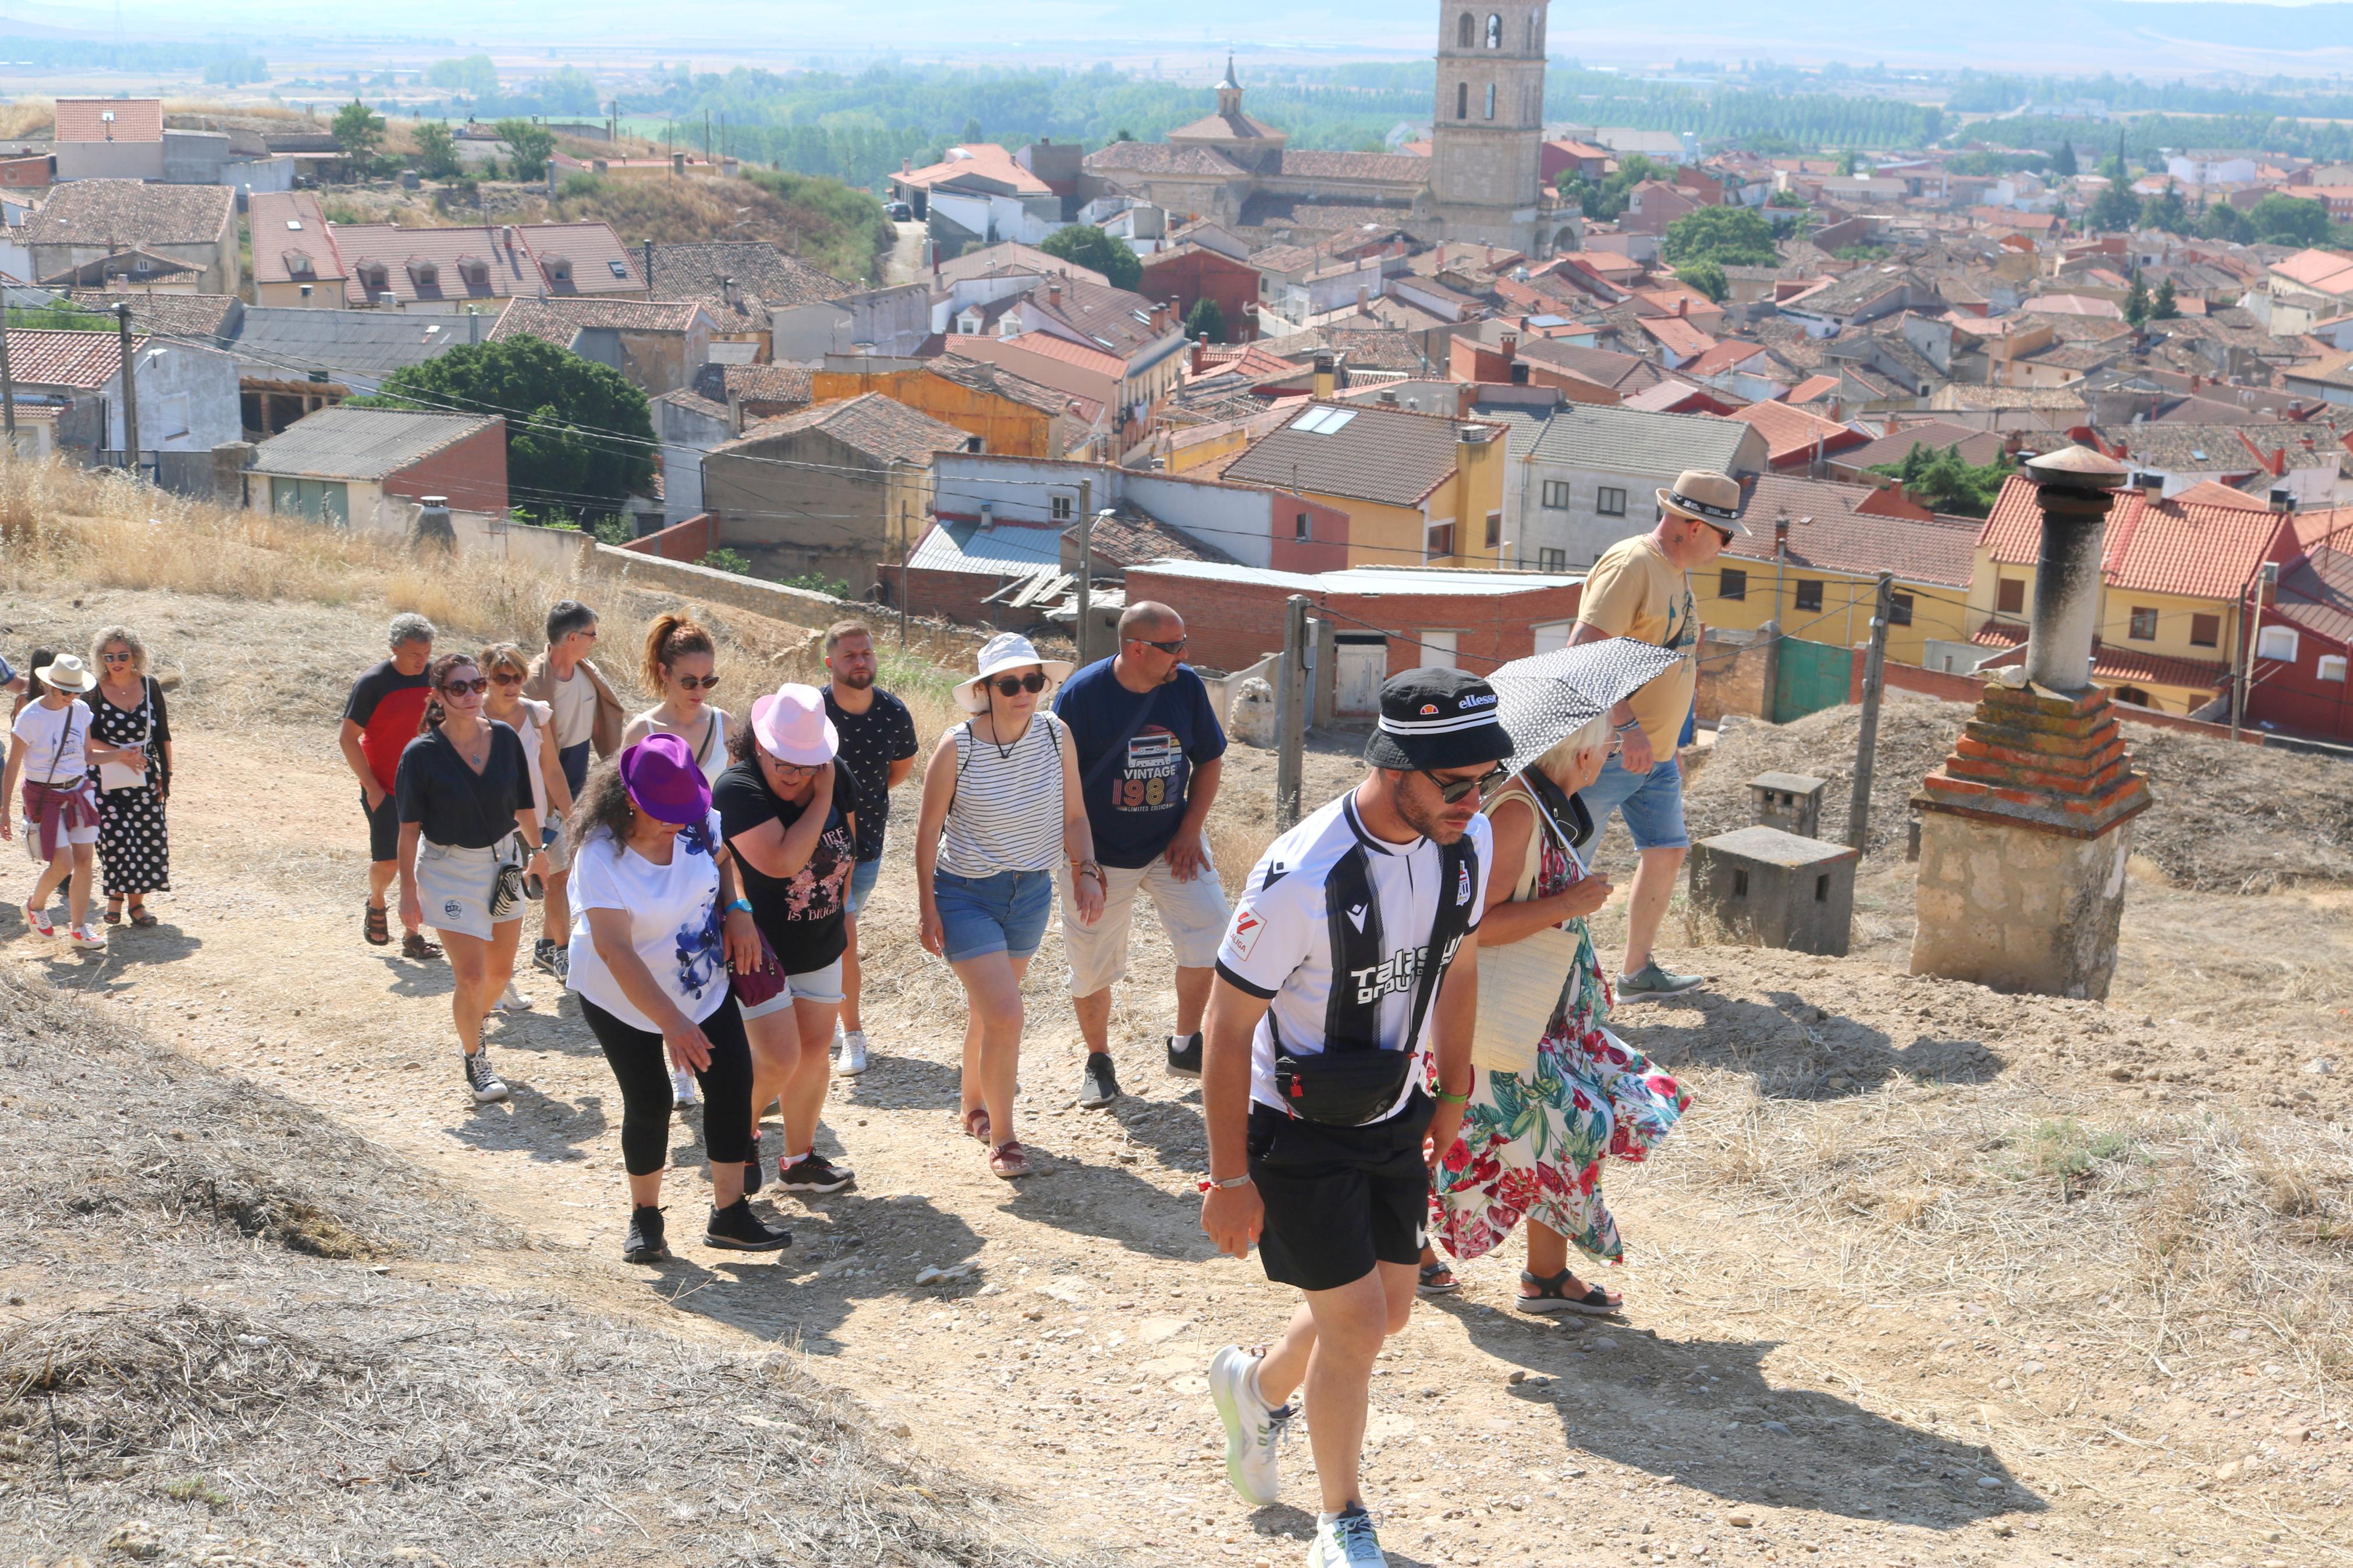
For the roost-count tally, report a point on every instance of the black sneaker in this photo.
(546, 954)
(1185, 1055)
(751, 1174)
(645, 1244)
(487, 1085)
(738, 1229)
(813, 1172)
(1098, 1083)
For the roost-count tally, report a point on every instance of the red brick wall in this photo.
(1953, 688)
(952, 596)
(1183, 279)
(1232, 623)
(693, 540)
(472, 474)
(1327, 548)
(16, 171)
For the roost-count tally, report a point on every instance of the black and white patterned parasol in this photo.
(1544, 699)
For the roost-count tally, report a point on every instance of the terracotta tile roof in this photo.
(1790, 433)
(1828, 531)
(507, 260)
(1374, 454)
(2318, 594)
(1009, 257)
(1100, 361)
(1160, 158)
(1725, 356)
(870, 424)
(776, 383)
(119, 214)
(558, 321)
(1360, 348)
(1977, 446)
(985, 375)
(110, 119)
(1677, 335)
(2071, 305)
(1112, 320)
(2326, 271)
(137, 268)
(41, 356)
(701, 269)
(202, 316)
(1225, 128)
(2125, 666)
(2198, 551)
(1811, 388)
(978, 160)
(1389, 168)
(2223, 448)
(2213, 492)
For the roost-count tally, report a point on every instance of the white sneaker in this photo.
(1252, 1431)
(681, 1087)
(88, 938)
(850, 1052)
(1345, 1541)
(513, 1000)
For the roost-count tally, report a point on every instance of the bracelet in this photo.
(1630, 724)
(742, 904)
(1242, 1181)
(1445, 1098)
(1083, 868)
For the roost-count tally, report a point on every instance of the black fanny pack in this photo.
(1343, 1090)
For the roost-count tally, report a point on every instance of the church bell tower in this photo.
(1487, 128)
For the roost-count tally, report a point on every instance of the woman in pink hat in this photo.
(651, 956)
(796, 845)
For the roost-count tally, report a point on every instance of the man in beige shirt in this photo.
(1640, 588)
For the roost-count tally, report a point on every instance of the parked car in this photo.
(899, 212)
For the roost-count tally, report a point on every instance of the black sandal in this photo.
(1551, 1297)
(378, 928)
(414, 945)
(140, 916)
(114, 910)
(1429, 1285)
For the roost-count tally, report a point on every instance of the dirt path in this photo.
(1801, 1377)
(906, 258)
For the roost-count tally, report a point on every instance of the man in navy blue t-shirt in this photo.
(1149, 750)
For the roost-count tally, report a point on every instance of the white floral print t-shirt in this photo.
(673, 922)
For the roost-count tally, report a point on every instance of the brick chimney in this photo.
(1201, 354)
(1054, 290)
(1159, 316)
(1324, 375)
(1510, 347)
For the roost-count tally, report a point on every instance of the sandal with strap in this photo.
(1552, 1296)
(1008, 1161)
(378, 928)
(414, 945)
(114, 911)
(976, 1124)
(142, 916)
(1437, 1279)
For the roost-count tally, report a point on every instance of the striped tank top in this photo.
(1007, 811)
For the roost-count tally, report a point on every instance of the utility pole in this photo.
(2267, 578)
(1866, 745)
(7, 385)
(1290, 713)
(130, 390)
(1086, 566)
(906, 551)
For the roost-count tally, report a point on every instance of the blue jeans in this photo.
(862, 877)
(1654, 802)
(1005, 913)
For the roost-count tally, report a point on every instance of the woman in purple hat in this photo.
(794, 844)
(649, 956)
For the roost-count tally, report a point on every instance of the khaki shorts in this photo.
(454, 884)
(557, 835)
(1194, 913)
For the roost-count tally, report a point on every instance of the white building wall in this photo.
(187, 401)
(1580, 531)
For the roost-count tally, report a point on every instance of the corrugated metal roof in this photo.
(1373, 582)
(1003, 550)
(286, 342)
(363, 443)
(1619, 440)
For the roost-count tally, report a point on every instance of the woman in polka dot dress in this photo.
(127, 709)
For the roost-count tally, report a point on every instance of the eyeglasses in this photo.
(119, 658)
(460, 688)
(1452, 790)
(1013, 686)
(695, 682)
(505, 678)
(1171, 649)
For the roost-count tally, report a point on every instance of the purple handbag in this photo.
(763, 985)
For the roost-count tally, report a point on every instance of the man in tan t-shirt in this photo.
(1640, 588)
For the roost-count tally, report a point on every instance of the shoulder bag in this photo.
(115, 776)
(32, 824)
(1520, 983)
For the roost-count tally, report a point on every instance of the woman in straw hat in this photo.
(53, 756)
(1001, 801)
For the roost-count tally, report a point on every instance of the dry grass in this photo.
(22, 116)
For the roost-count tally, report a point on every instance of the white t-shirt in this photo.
(58, 735)
(707, 742)
(674, 922)
(531, 721)
(574, 702)
(1279, 942)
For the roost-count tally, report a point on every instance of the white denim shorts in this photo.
(819, 985)
(454, 886)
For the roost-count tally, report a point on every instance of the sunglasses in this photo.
(1014, 685)
(505, 678)
(458, 688)
(116, 658)
(1452, 790)
(695, 682)
(1171, 649)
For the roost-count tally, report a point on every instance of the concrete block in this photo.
(1765, 888)
(2033, 910)
(1790, 802)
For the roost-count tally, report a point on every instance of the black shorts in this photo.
(383, 829)
(1339, 1199)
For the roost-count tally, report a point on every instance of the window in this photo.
(1462, 101)
(2142, 627)
(1298, 528)
(1464, 30)
(2134, 695)
(1060, 509)
(620, 269)
(1610, 501)
(1495, 31)
(1809, 592)
(2332, 667)
(2010, 596)
(1494, 528)
(1531, 31)
(2276, 642)
(972, 443)
(1730, 582)
(1551, 637)
(1899, 610)
(1491, 100)
(1555, 494)
(2206, 631)
(1439, 542)
(1557, 561)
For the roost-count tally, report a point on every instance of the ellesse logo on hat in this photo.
(1430, 708)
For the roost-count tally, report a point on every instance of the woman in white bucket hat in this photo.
(1000, 801)
(53, 756)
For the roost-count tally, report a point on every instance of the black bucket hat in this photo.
(1434, 719)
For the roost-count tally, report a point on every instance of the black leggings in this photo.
(642, 1066)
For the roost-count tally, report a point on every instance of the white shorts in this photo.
(454, 886)
(819, 985)
(1194, 913)
(557, 836)
(31, 835)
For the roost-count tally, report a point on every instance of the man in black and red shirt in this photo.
(386, 706)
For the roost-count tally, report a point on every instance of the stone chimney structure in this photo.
(2026, 826)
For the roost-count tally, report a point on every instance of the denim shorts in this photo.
(862, 877)
(1654, 802)
(1005, 913)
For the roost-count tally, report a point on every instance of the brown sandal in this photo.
(378, 928)
(1009, 1162)
(141, 917)
(414, 945)
(976, 1124)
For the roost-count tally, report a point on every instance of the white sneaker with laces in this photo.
(512, 1000)
(1253, 1432)
(1345, 1541)
(88, 938)
(849, 1053)
(681, 1087)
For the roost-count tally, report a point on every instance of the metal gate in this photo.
(1809, 677)
(1363, 664)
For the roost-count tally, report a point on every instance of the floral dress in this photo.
(1534, 1148)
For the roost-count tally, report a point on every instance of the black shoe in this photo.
(1099, 1084)
(738, 1229)
(751, 1174)
(813, 1172)
(1185, 1055)
(645, 1243)
(485, 1085)
(546, 954)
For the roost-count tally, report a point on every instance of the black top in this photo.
(146, 724)
(869, 742)
(801, 916)
(454, 805)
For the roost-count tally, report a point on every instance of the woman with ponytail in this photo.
(469, 831)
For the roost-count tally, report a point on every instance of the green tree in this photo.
(2062, 162)
(2137, 302)
(2280, 219)
(2165, 307)
(2112, 167)
(2167, 211)
(1087, 245)
(359, 128)
(1943, 482)
(1729, 237)
(1707, 277)
(1846, 164)
(533, 145)
(437, 151)
(475, 76)
(1205, 320)
(971, 129)
(2224, 222)
(574, 428)
(2113, 211)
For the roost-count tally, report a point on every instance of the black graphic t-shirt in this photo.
(869, 742)
(801, 915)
